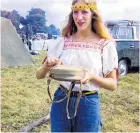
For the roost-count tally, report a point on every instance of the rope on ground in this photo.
(34, 124)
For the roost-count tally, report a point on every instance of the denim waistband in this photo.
(76, 93)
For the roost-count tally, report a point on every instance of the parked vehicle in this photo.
(126, 35)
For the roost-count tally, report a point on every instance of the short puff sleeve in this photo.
(110, 58)
(57, 48)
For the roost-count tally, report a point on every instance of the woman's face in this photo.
(82, 17)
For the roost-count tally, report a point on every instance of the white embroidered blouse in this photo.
(100, 58)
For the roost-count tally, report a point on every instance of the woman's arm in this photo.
(41, 72)
(109, 82)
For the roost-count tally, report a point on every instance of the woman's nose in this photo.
(79, 16)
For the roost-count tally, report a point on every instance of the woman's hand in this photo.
(50, 62)
(47, 64)
(87, 77)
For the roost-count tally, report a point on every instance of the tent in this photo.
(13, 50)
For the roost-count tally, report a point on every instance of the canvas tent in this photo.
(13, 51)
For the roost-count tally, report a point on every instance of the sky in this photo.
(58, 10)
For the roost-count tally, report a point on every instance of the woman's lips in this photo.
(80, 23)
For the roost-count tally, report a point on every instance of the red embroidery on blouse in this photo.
(69, 44)
(76, 45)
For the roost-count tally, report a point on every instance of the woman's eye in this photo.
(75, 12)
(84, 12)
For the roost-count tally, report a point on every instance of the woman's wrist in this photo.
(45, 68)
(92, 76)
(41, 72)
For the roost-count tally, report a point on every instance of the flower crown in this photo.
(85, 6)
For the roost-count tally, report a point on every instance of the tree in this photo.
(53, 30)
(13, 16)
(36, 19)
(23, 21)
(35, 22)
(5, 14)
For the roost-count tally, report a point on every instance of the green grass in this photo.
(24, 99)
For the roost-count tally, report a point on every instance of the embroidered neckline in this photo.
(69, 39)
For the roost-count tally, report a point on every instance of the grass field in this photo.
(24, 99)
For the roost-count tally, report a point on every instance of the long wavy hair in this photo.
(98, 26)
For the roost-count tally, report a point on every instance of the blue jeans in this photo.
(88, 114)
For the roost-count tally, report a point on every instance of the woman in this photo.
(85, 43)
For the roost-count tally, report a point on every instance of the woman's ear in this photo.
(94, 16)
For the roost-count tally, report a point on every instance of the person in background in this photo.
(85, 42)
(23, 37)
(29, 43)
